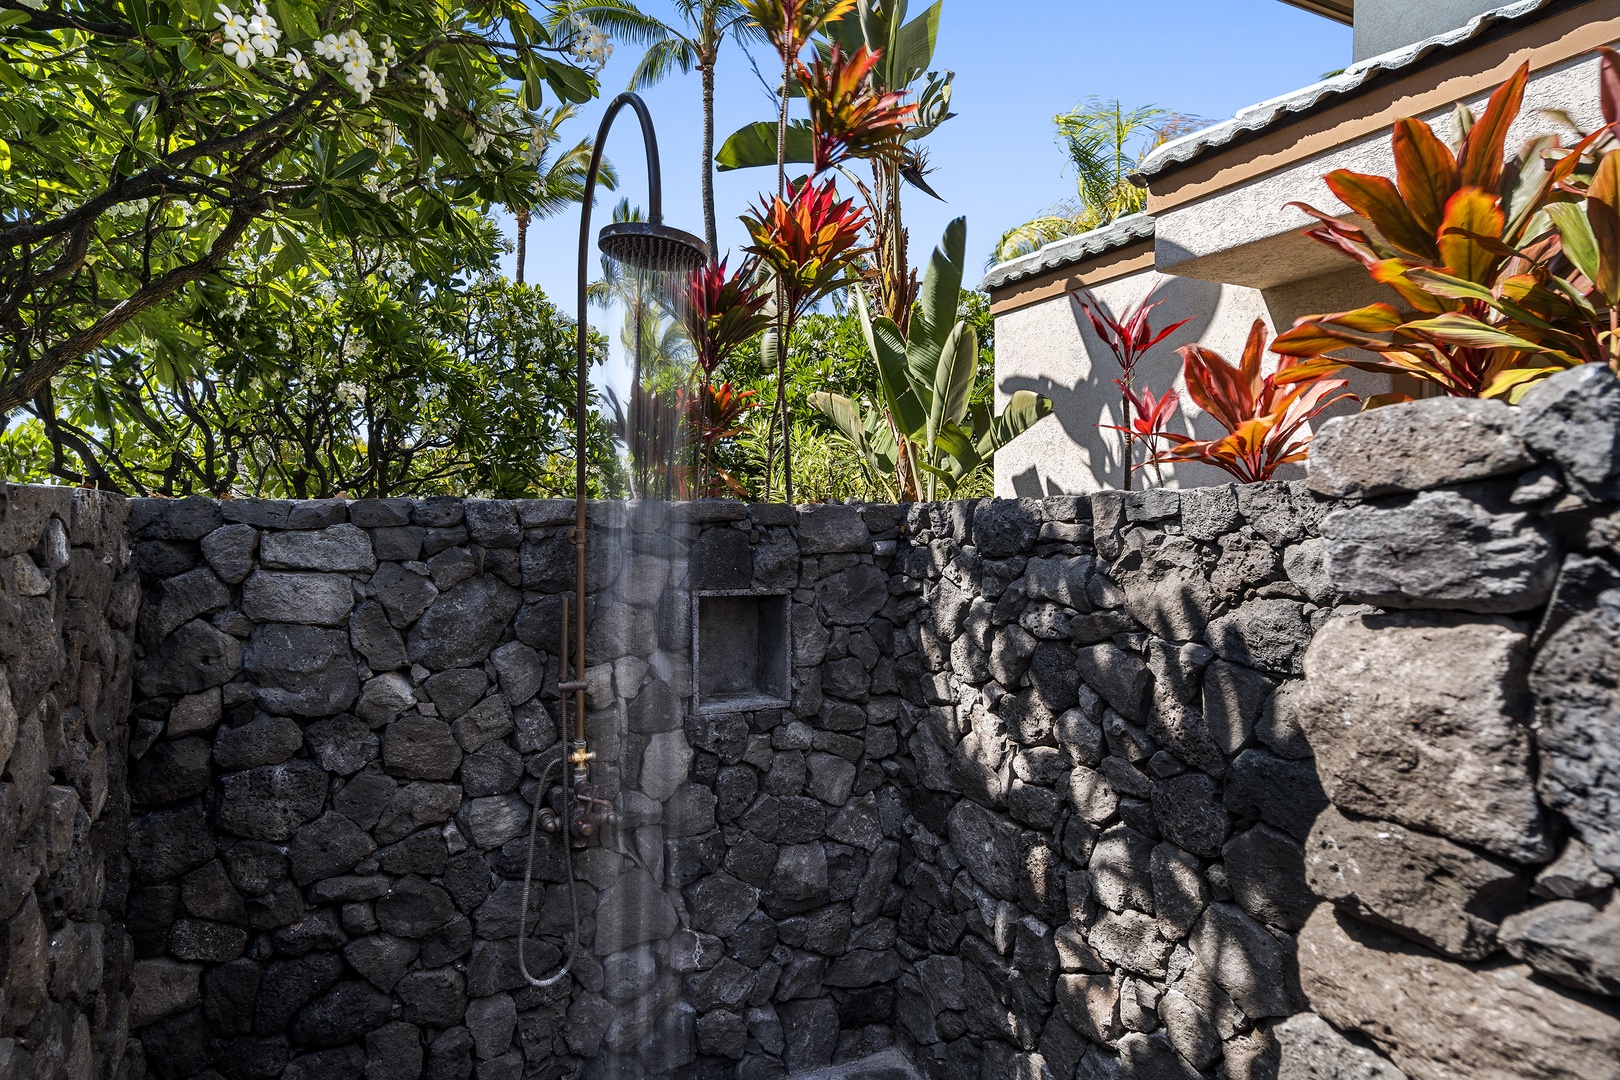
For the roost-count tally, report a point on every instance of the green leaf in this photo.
(911, 49)
(13, 17)
(166, 36)
(1455, 328)
(13, 81)
(5, 156)
(191, 58)
(941, 292)
(356, 164)
(754, 146)
(1023, 409)
(1580, 242)
(888, 349)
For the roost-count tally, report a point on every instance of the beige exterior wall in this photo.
(1049, 347)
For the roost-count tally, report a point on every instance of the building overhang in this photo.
(1075, 262)
(1340, 11)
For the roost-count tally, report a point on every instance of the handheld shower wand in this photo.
(648, 245)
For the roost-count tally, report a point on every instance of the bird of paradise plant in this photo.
(1470, 242)
(1129, 338)
(1262, 416)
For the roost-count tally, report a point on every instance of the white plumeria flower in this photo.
(300, 68)
(241, 52)
(389, 55)
(327, 48)
(430, 109)
(232, 25)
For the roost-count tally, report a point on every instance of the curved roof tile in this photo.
(1070, 250)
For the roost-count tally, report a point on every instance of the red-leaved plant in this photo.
(849, 116)
(810, 241)
(1262, 415)
(1129, 338)
(722, 312)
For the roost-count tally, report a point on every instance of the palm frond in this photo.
(1058, 223)
(620, 18)
(661, 60)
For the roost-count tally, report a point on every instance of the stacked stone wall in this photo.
(67, 610)
(1292, 780)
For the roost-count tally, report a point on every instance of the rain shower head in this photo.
(658, 248)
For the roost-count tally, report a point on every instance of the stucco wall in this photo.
(1051, 348)
(1382, 25)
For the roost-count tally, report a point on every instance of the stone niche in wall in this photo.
(740, 651)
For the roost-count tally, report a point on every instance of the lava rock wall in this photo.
(67, 611)
(1285, 781)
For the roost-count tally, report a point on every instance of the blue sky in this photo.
(1017, 63)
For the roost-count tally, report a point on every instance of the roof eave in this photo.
(1340, 11)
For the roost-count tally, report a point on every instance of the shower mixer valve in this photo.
(590, 818)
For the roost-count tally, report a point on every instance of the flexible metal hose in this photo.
(528, 878)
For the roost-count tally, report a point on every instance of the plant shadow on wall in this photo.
(1084, 409)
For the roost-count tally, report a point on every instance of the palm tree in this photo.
(1106, 143)
(561, 181)
(707, 24)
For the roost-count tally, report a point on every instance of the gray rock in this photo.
(191, 715)
(316, 599)
(1152, 1055)
(853, 595)
(1416, 447)
(1131, 940)
(1425, 888)
(463, 624)
(521, 671)
(1234, 697)
(1265, 869)
(633, 910)
(336, 549)
(832, 528)
(420, 748)
(381, 959)
(375, 638)
(327, 847)
(490, 719)
(1279, 726)
(1188, 811)
(1305, 563)
(1181, 730)
(1437, 740)
(1575, 943)
(265, 740)
(1271, 635)
(1003, 527)
(455, 691)
(272, 802)
(162, 987)
(383, 698)
(170, 602)
(1461, 548)
(414, 908)
(491, 821)
(302, 670)
(722, 558)
(1312, 1050)
(1581, 580)
(989, 847)
(1121, 869)
(190, 660)
(169, 772)
(1190, 1030)
(1180, 893)
(1281, 792)
(1574, 419)
(492, 524)
(1573, 875)
(229, 550)
(403, 593)
(1173, 601)
(1576, 704)
(492, 1020)
(1244, 959)
(1062, 580)
(1122, 678)
(1429, 1013)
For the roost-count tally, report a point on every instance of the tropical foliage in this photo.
(1265, 419)
(1506, 267)
(1130, 337)
(1105, 143)
(368, 369)
(150, 142)
(926, 428)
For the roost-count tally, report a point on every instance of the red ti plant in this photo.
(715, 413)
(723, 311)
(849, 116)
(1129, 339)
(1468, 241)
(810, 242)
(1261, 415)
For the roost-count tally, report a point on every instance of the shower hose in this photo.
(528, 877)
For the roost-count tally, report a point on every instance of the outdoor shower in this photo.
(649, 246)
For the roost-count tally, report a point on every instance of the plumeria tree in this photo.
(148, 143)
(366, 370)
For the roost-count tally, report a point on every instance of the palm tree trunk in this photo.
(522, 242)
(710, 233)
